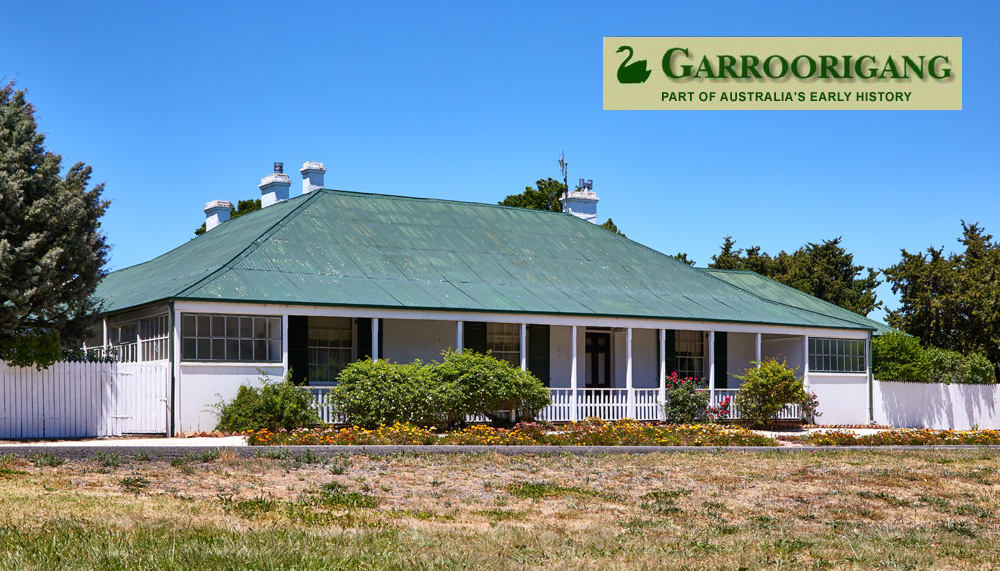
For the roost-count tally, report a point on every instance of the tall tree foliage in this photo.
(242, 207)
(52, 252)
(825, 270)
(545, 196)
(951, 300)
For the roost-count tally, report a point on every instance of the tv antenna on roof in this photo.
(564, 168)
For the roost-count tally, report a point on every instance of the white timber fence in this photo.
(79, 400)
(936, 405)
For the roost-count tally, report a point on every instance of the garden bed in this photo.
(898, 437)
(590, 432)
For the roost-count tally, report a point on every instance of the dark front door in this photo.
(598, 360)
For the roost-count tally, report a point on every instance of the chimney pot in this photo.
(312, 176)
(279, 167)
(217, 212)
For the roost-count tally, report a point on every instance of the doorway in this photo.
(598, 360)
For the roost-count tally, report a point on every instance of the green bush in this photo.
(273, 405)
(766, 390)
(685, 403)
(897, 356)
(953, 367)
(488, 385)
(373, 393)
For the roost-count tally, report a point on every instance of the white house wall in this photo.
(407, 339)
(560, 354)
(740, 354)
(843, 398)
(200, 386)
(788, 349)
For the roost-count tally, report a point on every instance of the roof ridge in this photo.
(252, 245)
(449, 200)
(786, 286)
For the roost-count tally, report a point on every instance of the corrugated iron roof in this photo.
(352, 249)
(776, 291)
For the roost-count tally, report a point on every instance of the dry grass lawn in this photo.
(839, 509)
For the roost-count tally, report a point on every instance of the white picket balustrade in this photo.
(77, 400)
(606, 404)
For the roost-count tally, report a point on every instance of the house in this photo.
(316, 281)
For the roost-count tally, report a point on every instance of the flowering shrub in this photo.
(685, 403)
(590, 432)
(766, 390)
(903, 437)
(487, 385)
(720, 411)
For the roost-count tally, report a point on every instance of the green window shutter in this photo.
(671, 340)
(474, 336)
(298, 347)
(538, 352)
(721, 359)
(365, 337)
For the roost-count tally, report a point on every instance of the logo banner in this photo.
(902, 73)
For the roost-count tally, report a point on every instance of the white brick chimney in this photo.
(274, 187)
(581, 203)
(312, 176)
(217, 212)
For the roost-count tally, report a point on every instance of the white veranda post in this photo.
(711, 367)
(458, 336)
(524, 346)
(629, 393)
(573, 410)
(805, 362)
(757, 350)
(375, 339)
(663, 373)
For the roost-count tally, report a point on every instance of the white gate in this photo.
(76, 400)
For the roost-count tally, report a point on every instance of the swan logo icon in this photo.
(635, 72)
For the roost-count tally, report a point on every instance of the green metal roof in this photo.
(352, 249)
(778, 292)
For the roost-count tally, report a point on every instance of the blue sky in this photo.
(181, 103)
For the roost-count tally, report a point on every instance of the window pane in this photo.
(233, 349)
(246, 327)
(259, 328)
(218, 349)
(188, 325)
(274, 328)
(232, 326)
(274, 350)
(204, 349)
(204, 325)
(218, 326)
(189, 349)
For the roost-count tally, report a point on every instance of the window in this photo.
(504, 341)
(153, 338)
(139, 335)
(246, 338)
(331, 340)
(837, 355)
(690, 354)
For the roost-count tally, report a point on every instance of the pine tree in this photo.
(51, 249)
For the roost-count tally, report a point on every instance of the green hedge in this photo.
(272, 405)
(897, 356)
(468, 383)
